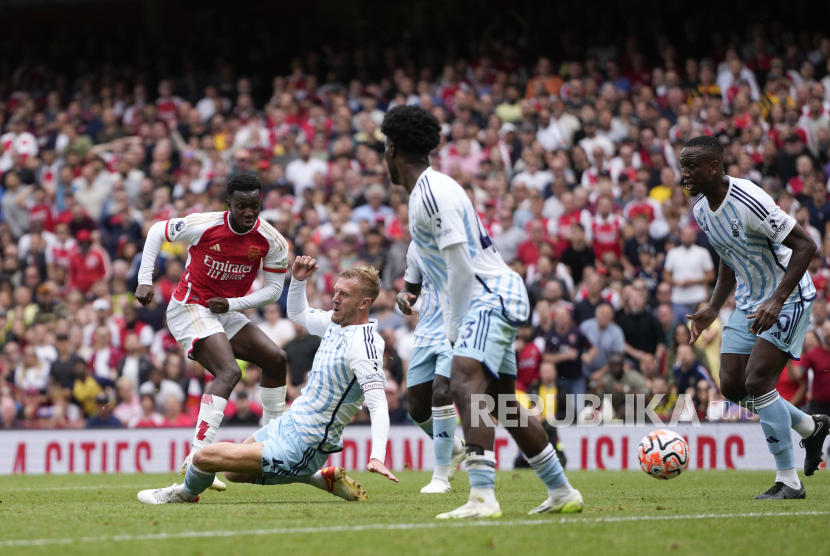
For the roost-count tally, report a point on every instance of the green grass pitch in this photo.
(700, 512)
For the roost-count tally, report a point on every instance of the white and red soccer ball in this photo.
(663, 454)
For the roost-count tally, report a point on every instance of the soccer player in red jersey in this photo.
(224, 255)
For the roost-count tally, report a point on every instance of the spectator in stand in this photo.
(643, 334)
(587, 308)
(134, 366)
(148, 417)
(605, 336)
(32, 373)
(528, 359)
(618, 382)
(88, 387)
(688, 371)
(301, 171)
(128, 407)
(243, 417)
(87, 265)
(103, 418)
(62, 369)
(817, 361)
(280, 330)
(568, 348)
(689, 269)
(510, 238)
(529, 251)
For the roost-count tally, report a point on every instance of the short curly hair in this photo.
(412, 129)
(244, 182)
(705, 143)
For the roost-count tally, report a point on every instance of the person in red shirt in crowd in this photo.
(606, 229)
(148, 419)
(571, 215)
(804, 166)
(60, 251)
(41, 210)
(792, 384)
(642, 204)
(528, 251)
(86, 265)
(167, 284)
(818, 275)
(529, 358)
(818, 360)
(173, 415)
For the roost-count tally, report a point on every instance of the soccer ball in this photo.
(663, 454)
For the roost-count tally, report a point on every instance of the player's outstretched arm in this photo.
(803, 247)
(706, 316)
(152, 246)
(269, 293)
(379, 414)
(315, 321)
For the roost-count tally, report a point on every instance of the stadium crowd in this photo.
(572, 162)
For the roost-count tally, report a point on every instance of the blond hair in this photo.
(369, 280)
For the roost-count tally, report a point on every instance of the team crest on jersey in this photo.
(705, 228)
(254, 253)
(735, 231)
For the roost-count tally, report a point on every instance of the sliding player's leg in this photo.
(238, 459)
(533, 441)
(251, 344)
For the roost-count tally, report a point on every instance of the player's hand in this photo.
(376, 466)
(765, 316)
(144, 294)
(218, 305)
(701, 321)
(405, 301)
(304, 268)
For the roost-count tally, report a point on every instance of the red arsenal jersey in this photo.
(220, 261)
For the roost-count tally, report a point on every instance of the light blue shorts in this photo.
(787, 334)
(428, 361)
(486, 336)
(285, 457)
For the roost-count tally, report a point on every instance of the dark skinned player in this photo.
(765, 253)
(483, 304)
(224, 254)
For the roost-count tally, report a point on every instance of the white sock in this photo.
(318, 481)
(485, 495)
(441, 472)
(211, 412)
(184, 495)
(806, 427)
(789, 477)
(561, 491)
(273, 403)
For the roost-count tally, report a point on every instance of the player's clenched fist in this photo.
(144, 294)
(304, 268)
(218, 305)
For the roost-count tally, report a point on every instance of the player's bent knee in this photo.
(441, 393)
(757, 385)
(202, 458)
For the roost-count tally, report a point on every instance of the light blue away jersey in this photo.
(440, 215)
(348, 363)
(747, 231)
(430, 330)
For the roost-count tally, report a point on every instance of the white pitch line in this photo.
(392, 527)
(99, 487)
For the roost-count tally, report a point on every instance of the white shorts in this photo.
(191, 322)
